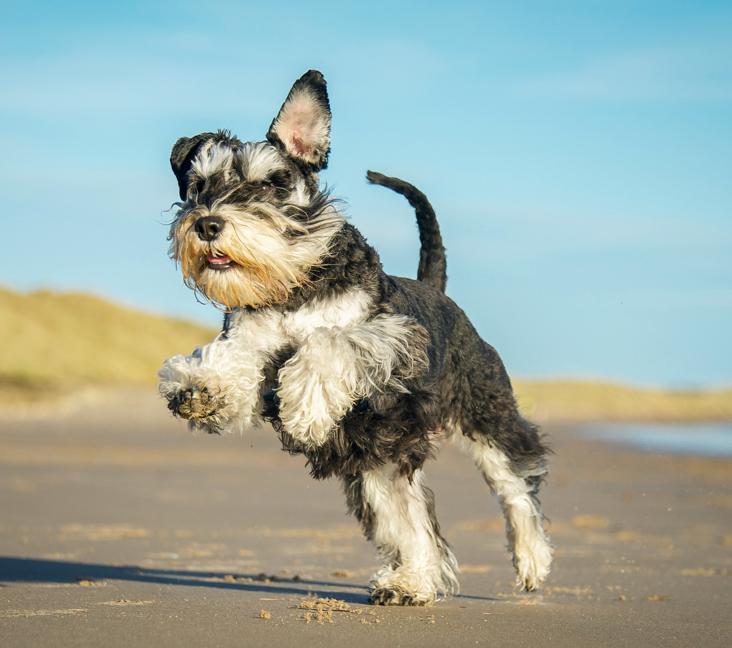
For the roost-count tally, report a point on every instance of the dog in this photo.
(364, 373)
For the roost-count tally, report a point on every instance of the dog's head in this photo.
(252, 221)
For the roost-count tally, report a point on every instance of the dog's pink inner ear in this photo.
(302, 126)
(299, 129)
(298, 146)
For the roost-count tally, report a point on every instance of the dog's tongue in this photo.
(221, 260)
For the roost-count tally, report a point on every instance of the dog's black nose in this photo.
(209, 227)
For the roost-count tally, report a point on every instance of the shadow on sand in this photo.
(34, 570)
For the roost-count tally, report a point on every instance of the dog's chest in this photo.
(291, 328)
(352, 307)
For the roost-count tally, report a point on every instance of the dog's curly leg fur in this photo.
(337, 366)
(217, 387)
(397, 513)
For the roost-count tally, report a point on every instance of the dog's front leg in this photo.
(217, 387)
(335, 367)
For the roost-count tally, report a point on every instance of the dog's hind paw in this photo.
(533, 564)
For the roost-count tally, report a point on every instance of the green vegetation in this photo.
(56, 343)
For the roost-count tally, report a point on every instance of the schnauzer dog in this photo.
(364, 373)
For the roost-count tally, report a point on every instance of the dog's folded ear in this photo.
(181, 158)
(302, 127)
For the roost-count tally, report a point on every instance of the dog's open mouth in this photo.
(222, 262)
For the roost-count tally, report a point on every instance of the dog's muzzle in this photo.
(209, 227)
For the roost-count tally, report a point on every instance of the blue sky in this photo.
(578, 154)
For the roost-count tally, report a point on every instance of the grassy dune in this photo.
(57, 343)
(568, 400)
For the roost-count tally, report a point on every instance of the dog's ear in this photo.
(181, 157)
(302, 127)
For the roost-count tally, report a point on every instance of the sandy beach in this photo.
(120, 528)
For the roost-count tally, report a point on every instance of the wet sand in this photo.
(119, 528)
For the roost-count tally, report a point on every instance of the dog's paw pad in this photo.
(193, 403)
(394, 596)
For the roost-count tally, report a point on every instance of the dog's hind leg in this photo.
(516, 482)
(397, 513)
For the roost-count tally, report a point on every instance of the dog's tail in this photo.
(432, 260)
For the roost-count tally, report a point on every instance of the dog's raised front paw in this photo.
(194, 403)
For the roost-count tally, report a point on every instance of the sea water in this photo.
(705, 439)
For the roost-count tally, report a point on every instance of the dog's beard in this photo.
(269, 253)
